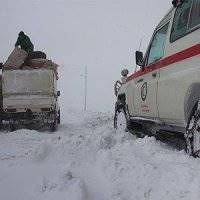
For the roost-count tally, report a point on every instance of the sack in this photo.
(16, 59)
(36, 55)
(41, 63)
(36, 63)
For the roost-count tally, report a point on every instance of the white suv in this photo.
(165, 91)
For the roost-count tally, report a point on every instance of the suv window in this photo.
(156, 51)
(195, 14)
(180, 23)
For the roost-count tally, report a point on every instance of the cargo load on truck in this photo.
(20, 59)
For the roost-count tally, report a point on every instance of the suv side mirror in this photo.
(58, 93)
(139, 58)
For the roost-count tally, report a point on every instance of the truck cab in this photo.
(165, 91)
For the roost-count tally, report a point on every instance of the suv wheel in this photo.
(121, 118)
(192, 135)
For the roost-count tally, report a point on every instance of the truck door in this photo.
(146, 80)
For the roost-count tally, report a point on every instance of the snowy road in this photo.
(86, 159)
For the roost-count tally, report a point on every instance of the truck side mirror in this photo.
(58, 93)
(139, 58)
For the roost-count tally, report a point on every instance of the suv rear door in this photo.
(181, 64)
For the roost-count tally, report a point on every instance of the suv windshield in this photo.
(157, 47)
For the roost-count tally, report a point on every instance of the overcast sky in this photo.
(100, 34)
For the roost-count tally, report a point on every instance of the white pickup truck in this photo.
(164, 93)
(30, 96)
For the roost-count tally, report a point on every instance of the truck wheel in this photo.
(58, 118)
(192, 135)
(53, 127)
(12, 127)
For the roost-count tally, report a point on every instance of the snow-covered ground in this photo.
(86, 159)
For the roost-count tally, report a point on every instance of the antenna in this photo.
(141, 40)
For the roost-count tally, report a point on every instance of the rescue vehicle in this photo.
(164, 93)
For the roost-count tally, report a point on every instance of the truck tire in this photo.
(12, 127)
(192, 135)
(53, 126)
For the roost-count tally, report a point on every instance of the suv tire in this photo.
(192, 135)
(122, 109)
